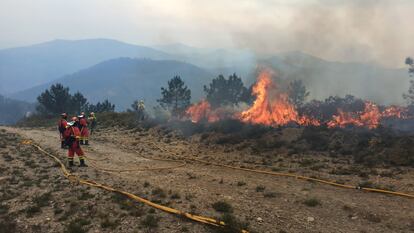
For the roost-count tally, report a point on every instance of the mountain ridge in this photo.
(123, 80)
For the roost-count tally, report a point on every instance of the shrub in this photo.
(77, 226)
(260, 188)
(312, 202)
(241, 183)
(107, 223)
(222, 206)
(150, 221)
(233, 225)
(159, 192)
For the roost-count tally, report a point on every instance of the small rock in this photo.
(259, 219)
(47, 219)
(310, 219)
(354, 217)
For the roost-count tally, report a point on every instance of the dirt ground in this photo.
(37, 198)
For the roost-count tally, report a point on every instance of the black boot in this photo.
(71, 164)
(81, 142)
(82, 163)
(86, 142)
(62, 144)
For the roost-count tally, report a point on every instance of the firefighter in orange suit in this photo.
(83, 127)
(72, 137)
(62, 124)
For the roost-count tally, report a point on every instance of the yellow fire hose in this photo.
(307, 178)
(332, 183)
(299, 177)
(94, 165)
(134, 169)
(74, 178)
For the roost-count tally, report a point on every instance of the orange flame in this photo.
(370, 117)
(202, 111)
(394, 111)
(272, 110)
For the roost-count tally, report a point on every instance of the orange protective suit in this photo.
(84, 132)
(72, 136)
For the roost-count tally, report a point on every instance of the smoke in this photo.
(360, 31)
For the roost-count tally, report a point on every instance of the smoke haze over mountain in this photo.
(360, 31)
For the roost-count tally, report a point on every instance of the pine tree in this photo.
(222, 91)
(79, 102)
(55, 100)
(105, 106)
(176, 97)
(297, 93)
(409, 97)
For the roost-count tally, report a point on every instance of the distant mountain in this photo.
(25, 67)
(13, 110)
(324, 78)
(124, 80)
(223, 61)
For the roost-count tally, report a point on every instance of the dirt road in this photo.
(267, 203)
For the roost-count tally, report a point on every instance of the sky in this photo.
(379, 31)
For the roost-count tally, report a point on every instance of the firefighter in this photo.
(83, 127)
(72, 137)
(92, 121)
(141, 110)
(62, 127)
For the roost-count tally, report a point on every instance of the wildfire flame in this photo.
(370, 117)
(394, 111)
(272, 108)
(202, 111)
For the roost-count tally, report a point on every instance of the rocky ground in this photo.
(36, 197)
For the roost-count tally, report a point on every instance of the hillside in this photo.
(208, 174)
(124, 80)
(25, 67)
(12, 110)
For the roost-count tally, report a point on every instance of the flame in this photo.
(201, 111)
(370, 117)
(272, 108)
(394, 111)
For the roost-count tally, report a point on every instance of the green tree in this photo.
(176, 97)
(297, 93)
(79, 103)
(55, 100)
(222, 91)
(409, 96)
(105, 106)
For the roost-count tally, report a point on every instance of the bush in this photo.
(77, 226)
(312, 202)
(260, 188)
(233, 225)
(316, 137)
(7, 225)
(107, 223)
(222, 206)
(150, 221)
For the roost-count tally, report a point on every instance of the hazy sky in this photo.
(344, 30)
